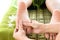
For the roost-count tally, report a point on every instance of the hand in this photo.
(37, 27)
(19, 34)
(28, 29)
(22, 15)
(50, 36)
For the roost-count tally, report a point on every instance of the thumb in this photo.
(34, 25)
(27, 23)
(22, 31)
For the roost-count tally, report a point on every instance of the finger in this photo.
(27, 23)
(36, 24)
(29, 30)
(22, 32)
(20, 25)
(54, 36)
(47, 35)
(33, 24)
(51, 36)
(25, 28)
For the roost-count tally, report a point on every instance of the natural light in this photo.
(4, 5)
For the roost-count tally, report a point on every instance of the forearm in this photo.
(22, 11)
(52, 28)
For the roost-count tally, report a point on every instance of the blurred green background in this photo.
(37, 11)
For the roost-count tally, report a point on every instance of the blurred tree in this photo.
(9, 17)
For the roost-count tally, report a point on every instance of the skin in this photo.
(43, 28)
(20, 34)
(54, 8)
(22, 15)
(37, 27)
(55, 15)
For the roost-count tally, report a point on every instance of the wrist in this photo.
(39, 28)
(46, 28)
(42, 28)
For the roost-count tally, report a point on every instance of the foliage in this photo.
(38, 4)
(6, 34)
